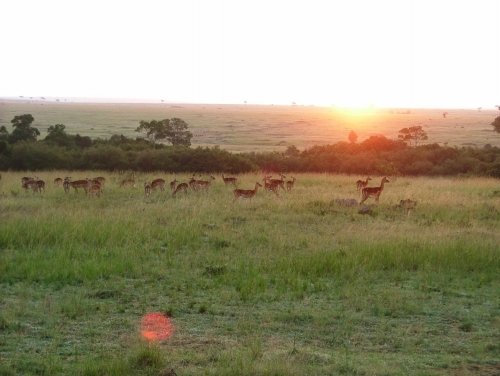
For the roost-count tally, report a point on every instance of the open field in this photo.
(293, 285)
(259, 128)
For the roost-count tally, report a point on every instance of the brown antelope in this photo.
(58, 181)
(25, 179)
(35, 185)
(26, 182)
(101, 180)
(246, 193)
(373, 191)
(94, 189)
(129, 182)
(360, 184)
(84, 184)
(158, 183)
(66, 185)
(147, 189)
(270, 186)
(180, 187)
(278, 182)
(289, 184)
(96, 181)
(200, 184)
(40, 185)
(173, 183)
(229, 180)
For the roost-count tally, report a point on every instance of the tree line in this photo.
(20, 150)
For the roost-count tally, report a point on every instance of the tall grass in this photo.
(278, 285)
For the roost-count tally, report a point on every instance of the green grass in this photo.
(246, 128)
(277, 286)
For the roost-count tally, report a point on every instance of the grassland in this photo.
(277, 286)
(241, 128)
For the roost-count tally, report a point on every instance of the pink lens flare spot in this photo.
(155, 326)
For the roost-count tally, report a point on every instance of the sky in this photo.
(352, 53)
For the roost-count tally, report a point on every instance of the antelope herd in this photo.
(94, 187)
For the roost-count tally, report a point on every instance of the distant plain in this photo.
(244, 128)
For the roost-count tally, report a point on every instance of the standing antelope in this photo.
(180, 187)
(58, 181)
(84, 184)
(173, 183)
(25, 179)
(94, 189)
(373, 191)
(101, 180)
(278, 182)
(271, 186)
(229, 180)
(246, 193)
(290, 183)
(27, 182)
(35, 185)
(147, 189)
(360, 184)
(40, 185)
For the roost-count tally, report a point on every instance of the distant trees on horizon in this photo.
(374, 155)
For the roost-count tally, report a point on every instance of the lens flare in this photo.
(155, 326)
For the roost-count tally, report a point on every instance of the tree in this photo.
(4, 139)
(58, 136)
(178, 133)
(496, 124)
(353, 137)
(4, 134)
(173, 130)
(292, 151)
(415, 134)
(155, 129)
(23, 131)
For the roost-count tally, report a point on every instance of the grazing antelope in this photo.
(173, 183)
(147, 189)
(158, 183)
(200, 184)
(246, 193)
(129, 182)
(58, 181)
(373, 191)
(229, 180)
(360, 184)
(290, 183)
(180, 187)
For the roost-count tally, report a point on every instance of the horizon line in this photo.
(112, 100)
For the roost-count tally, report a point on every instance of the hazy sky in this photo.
(435, 53)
